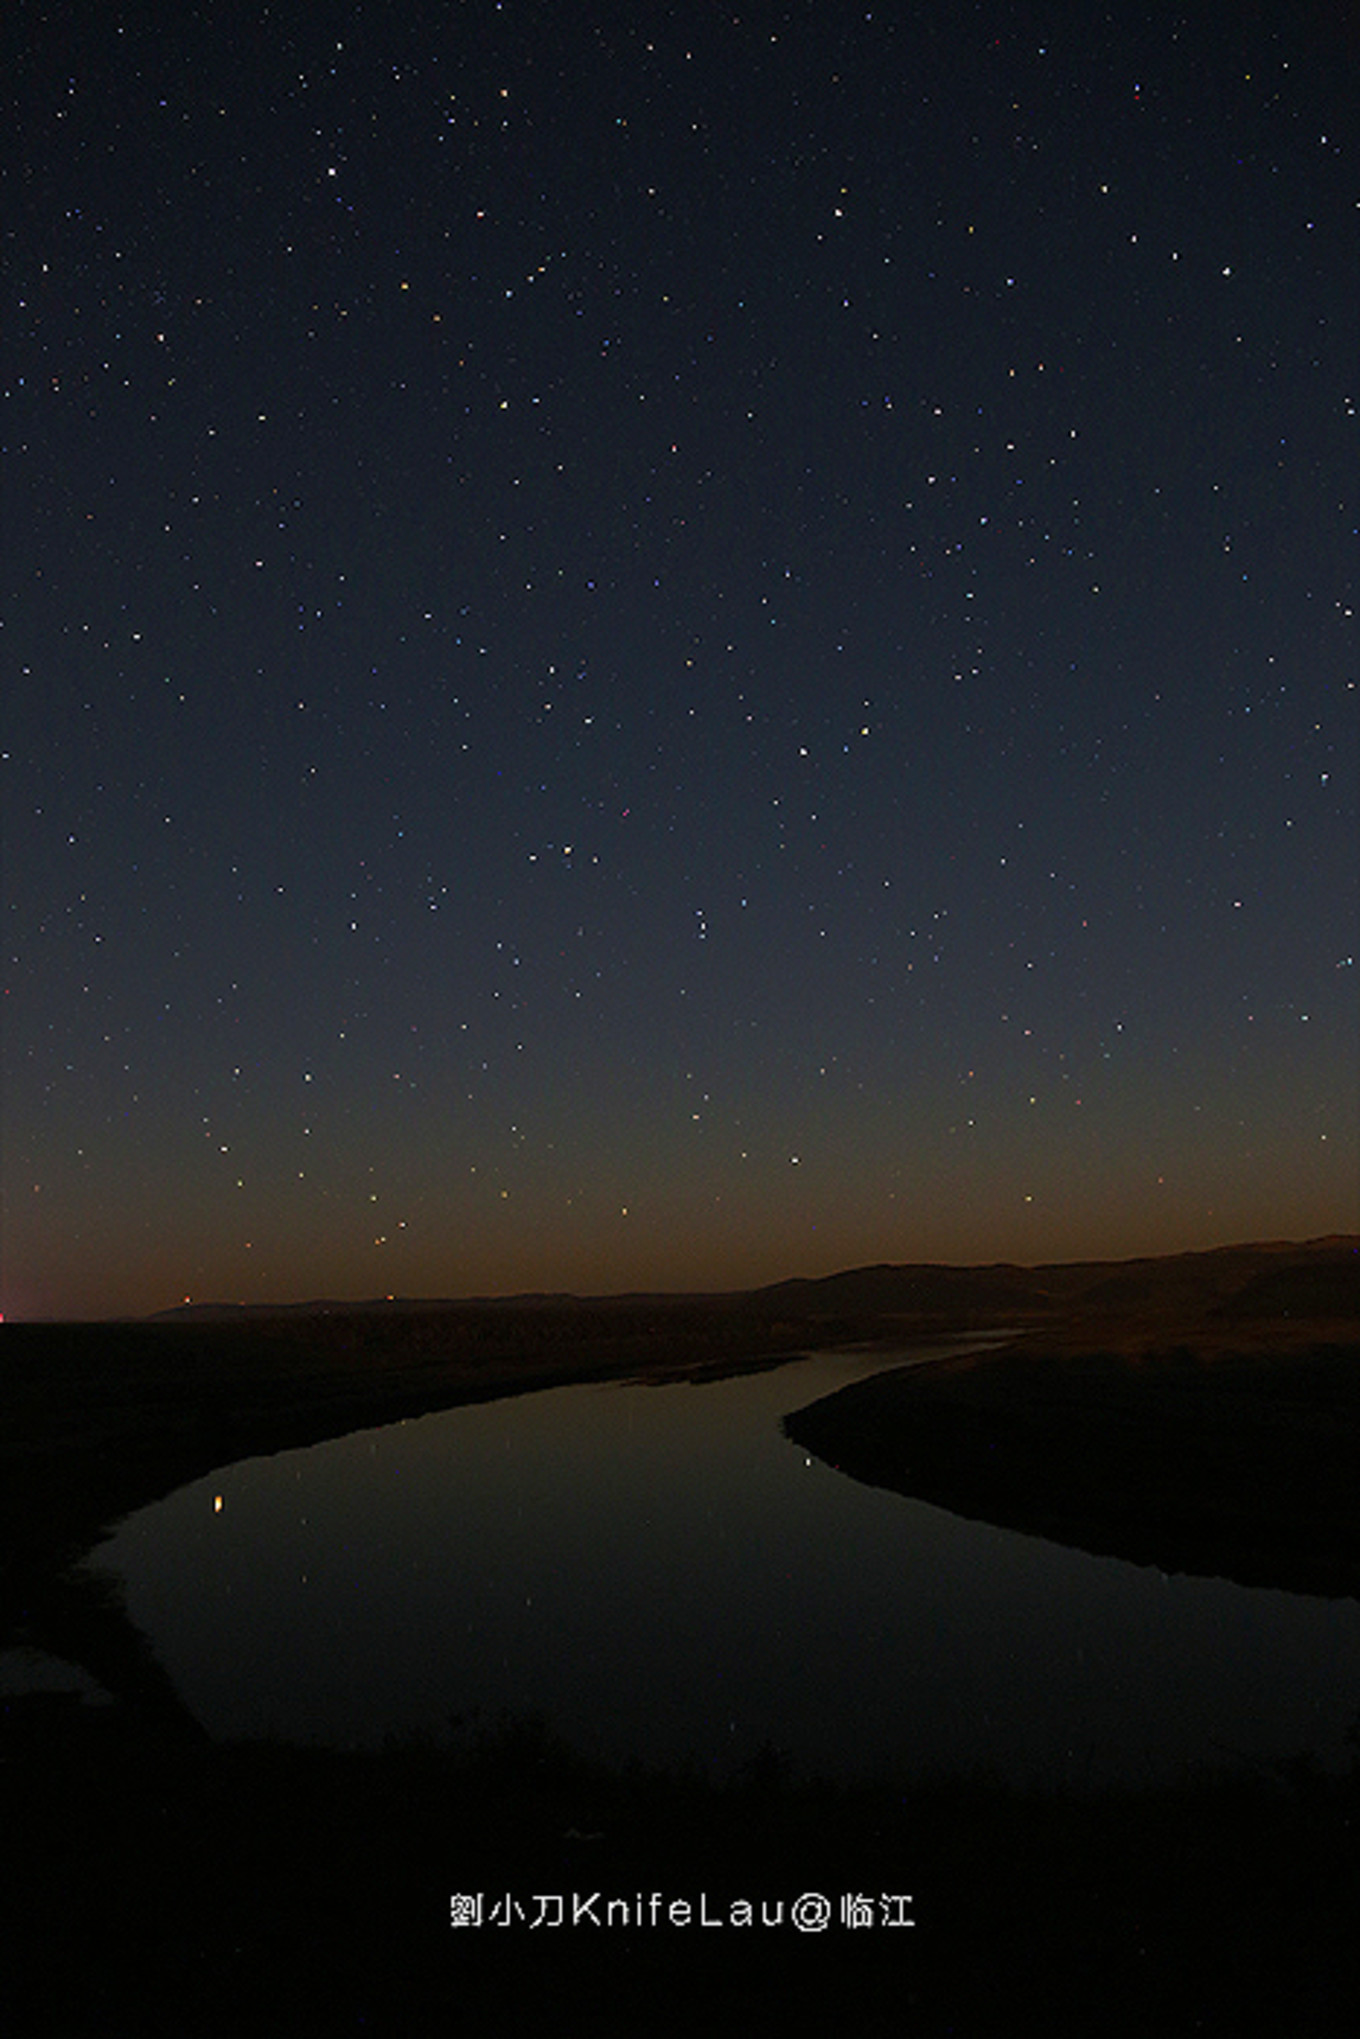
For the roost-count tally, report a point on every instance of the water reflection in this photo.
(660, 1573)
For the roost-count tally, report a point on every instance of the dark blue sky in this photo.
(664, 646)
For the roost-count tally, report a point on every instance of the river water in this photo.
(656, 1572)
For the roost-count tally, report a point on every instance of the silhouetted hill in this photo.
(914, 1290)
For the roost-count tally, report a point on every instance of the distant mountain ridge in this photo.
(1261, 1278)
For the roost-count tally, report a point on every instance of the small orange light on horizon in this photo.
(217, 1504)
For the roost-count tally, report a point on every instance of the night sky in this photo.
(664, 646)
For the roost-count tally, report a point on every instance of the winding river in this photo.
(657, 1572)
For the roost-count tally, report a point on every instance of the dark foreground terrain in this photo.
(161, 1888)
(1202, 1410)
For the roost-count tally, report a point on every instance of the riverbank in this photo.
(99, 1420)
(1226, 1450)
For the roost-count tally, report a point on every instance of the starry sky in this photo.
(659, 646)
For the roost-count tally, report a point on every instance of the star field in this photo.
(662, 646)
